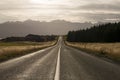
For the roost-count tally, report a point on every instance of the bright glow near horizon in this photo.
(70, 10)
(40, 1)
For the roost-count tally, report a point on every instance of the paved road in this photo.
(59, 62)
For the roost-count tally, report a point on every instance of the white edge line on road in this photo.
(57, 73)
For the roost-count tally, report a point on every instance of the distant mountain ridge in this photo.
(56, 27)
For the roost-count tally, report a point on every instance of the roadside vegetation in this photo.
(110, 50)
(100, 39)
(14, 49)
(11, 49)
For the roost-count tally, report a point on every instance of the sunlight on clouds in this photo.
(43, 1)
(40, 1)
(70, 10)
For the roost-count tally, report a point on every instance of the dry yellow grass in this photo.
(14, 50)
(109, 49)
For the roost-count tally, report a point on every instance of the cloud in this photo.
(73, 10)
(4, 18)
(108, 7)
(102, 17)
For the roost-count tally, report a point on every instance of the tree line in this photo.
(109, 32)
(31, 37)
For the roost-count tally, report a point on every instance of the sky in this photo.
(69, 10)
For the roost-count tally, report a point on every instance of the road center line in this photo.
(57, 73)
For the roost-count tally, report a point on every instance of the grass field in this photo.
(111, 50)
(10, 50)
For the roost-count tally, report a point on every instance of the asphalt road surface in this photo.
(59, 62)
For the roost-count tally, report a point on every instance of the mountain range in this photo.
(56, 27)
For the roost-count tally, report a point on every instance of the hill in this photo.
(56, 27)
(30, 37)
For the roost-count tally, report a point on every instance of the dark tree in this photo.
(101, 33)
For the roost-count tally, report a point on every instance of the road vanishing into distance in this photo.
(59, 62)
